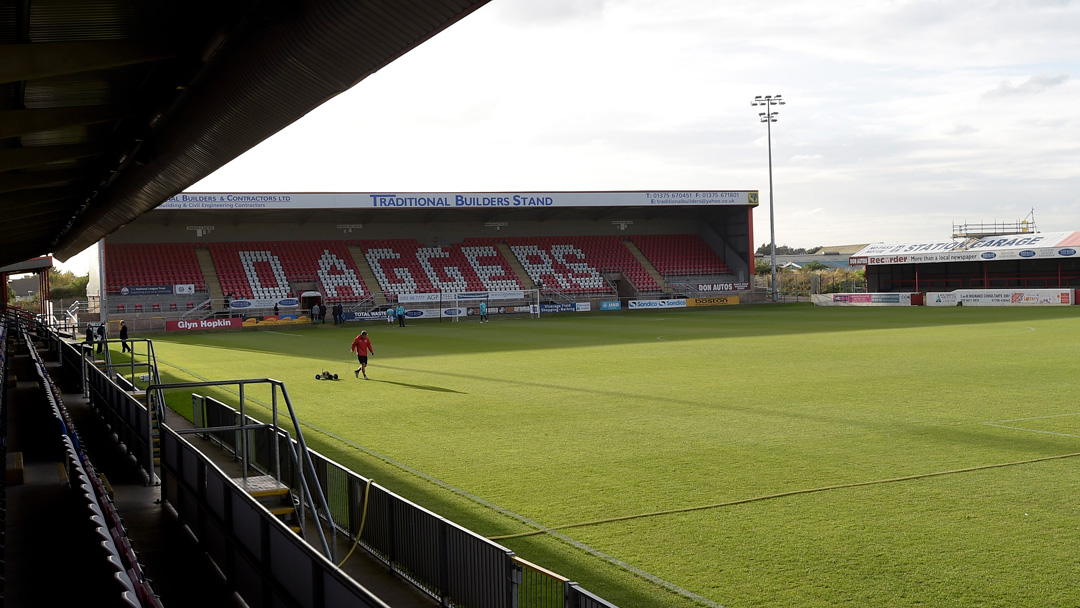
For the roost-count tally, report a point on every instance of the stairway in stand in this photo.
(206, 263)
(277, 498)
(367, 276)
(644, 261)
(519, 270)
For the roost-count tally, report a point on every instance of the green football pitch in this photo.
(739, 456)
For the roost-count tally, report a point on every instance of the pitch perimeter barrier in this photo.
(1002, 297)
(713, 301)
(266, 562)
(448, 562)
(867, 299)
(129, 418)
(274, 566)
(123, 575)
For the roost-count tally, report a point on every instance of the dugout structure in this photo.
(1031, 261)
(542, 241)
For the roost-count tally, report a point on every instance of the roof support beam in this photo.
(20, 158)
(40, 217)
(14, 202)
(12, 182)
(14, 123)
(44, 59)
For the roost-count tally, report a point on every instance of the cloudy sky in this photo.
(902, 117)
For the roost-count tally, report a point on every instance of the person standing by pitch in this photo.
(361, 345)
(123, 339)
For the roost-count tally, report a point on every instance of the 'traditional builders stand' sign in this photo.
(455, 200)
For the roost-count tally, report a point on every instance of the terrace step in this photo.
(371, 283)
(519, 270)
(275, 496)
(16, 470)
(213, 284)
(645, 263)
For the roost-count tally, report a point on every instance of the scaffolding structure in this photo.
(981, 230)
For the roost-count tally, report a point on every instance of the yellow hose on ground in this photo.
(363, 518)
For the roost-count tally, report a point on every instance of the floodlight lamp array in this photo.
(767, 100)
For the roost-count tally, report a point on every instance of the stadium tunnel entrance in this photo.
(309, 299)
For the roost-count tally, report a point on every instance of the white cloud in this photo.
(901, 117)
(1033, 85)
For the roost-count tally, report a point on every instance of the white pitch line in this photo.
(281, 333)
(1029, 330)
(503, 510)
(1019, 428)
(1034, 418)
(664, 337)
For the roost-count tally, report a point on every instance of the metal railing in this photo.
(111, 535)
(448, 562)
(302, 460)
(129, 418)
(200, 310)
(265, 562)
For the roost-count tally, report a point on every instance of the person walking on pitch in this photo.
(361, 345)
(123, 338)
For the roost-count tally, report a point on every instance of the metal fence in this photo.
(262, 555)
(448, 562)
(264, 560)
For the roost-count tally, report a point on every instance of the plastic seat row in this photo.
(680, 254)
(577, 263)
(126, 580)
(405, 266)
(142, 264)
(266, 270)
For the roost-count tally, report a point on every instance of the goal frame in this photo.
(526, 299)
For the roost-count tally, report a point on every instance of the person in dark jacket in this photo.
(123, 338)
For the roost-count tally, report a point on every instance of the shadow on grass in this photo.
(619, 328)
(422, 387)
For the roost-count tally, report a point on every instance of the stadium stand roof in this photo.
(832, 256)
(1030, 246)
(109, 108)
(840, 249)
